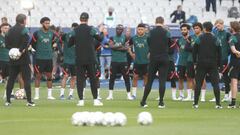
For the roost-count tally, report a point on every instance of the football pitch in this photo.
(53, 117)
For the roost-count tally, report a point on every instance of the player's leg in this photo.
(13, 72)
(38, 75)
(26, 77)
(91, 69)
(135, 80)
(234, 73)
(72, 81)
(114, 70)
(153, 67)
(227, 80)
(181, 73)
(171, 74)
(108, 64)
(203, 91)
(102, 65)
(214, 77)
(190, 78)
(124, 68)
(81, 70)
(200, 75)
(163, 71)
(48, 72)
(65, 70)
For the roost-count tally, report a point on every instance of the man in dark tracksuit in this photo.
(18, 37)
(207, 56)
(83, 39)
(159, 42)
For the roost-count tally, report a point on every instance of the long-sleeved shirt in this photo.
(159, 42)
(18, 37)
(83, 39)
(207, 50)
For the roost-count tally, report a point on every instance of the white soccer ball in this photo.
(108, 119)
(84, 119)
(91, 119)
(76, 118)
(120, 119)
(14, 54)
(145, 118)
(99, 116)
(19, 94)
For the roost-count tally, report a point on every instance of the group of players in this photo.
(44, 41)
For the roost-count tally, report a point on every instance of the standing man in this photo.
(119, 46)
(43, 41)
(69, 68)
(207, 58)
(18, 37)
(4, 57)
(223, 37)
(159, 41)
(185, 66)
(105, 57)
(198, 28)
(234, 61)
(140, 57)
(83, 39)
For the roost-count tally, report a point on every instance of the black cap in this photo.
(84, 16)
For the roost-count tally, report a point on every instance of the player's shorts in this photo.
(119, 67)
(140, 69)
(4, 69)
(43, 66)
(234, 72)
(190, 70)
(186, 71)
(69, 69)
(98, 71)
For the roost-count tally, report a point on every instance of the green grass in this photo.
(53, 117)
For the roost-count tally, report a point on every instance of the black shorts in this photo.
(186, 71)
(190, 70)
(69, 69)
(234, 72)
(4, 69)
(140, 69)
(119, 67)
(171, 70)
(98, 71)
(43, 66)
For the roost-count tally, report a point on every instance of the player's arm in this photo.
(71, 41)
(34, 39)
(189, 46)
(195, 51)
(232, 43)
(96, 35)
(131, 50)
(171, 43)
(219, 54)
(25, 40)
(111, 44)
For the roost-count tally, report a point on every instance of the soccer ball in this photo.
(19, 94)
(75, 118)
(14, 54)
(108, 119)
(145, 118)
(98, 118)
(120, 119)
